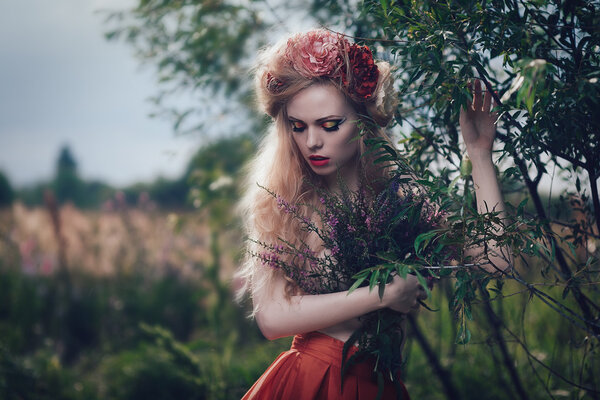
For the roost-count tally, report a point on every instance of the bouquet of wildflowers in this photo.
(368, 236)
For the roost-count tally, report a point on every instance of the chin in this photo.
(323, 172)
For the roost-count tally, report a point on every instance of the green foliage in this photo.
(534, 338)
(7, 194)
(210, 180)
(195, 45)
(67, 185)
(214, 176)
(32, 195)
(157, 367)
(129, 336)
(167, 194)
(542, 59)
(91, 310)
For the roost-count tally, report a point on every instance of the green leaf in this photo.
(423, 282)
(356, 284)
(463, 336)
(384, 5)
(423, 240)
(565, 292)
(374, 279)
(468, 312)
(381, 289)
(402, 269)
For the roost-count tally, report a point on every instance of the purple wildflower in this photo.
(335, 250)
(270, 259)
(285, 206)
(332, 221)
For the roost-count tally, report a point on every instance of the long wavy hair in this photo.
(279, 166)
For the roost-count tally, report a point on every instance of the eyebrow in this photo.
(320, 120)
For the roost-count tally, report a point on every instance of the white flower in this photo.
(221, 182)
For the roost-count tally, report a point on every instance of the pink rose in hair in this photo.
(315, 53)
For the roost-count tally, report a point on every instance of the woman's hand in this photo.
(403, 294)
(478, 123)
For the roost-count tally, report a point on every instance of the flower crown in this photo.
(321, 53)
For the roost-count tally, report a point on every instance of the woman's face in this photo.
(323, 125)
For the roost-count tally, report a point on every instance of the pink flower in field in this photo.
(26, 249)
(47, 266)
(108, 206)
(316, 53)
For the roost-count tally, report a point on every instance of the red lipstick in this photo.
(318, 161)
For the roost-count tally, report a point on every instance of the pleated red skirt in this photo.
(311, 369)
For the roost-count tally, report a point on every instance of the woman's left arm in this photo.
(478, 127)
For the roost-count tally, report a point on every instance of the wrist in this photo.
(479, 157)
(371, 298)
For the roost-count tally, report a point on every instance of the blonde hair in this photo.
(279, 166)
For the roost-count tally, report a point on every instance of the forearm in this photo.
(487, 188)
(279, 317)
(489, 199)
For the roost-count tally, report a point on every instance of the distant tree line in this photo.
(207, 179)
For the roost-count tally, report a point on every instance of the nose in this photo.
(313, 138)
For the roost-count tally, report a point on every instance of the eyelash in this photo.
(334, 127)
(299, 127)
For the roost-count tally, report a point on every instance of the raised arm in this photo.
(277, 317)
(477, 124)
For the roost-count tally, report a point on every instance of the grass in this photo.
(151, 329)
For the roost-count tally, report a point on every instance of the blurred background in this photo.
(123, 129)
(117, 242)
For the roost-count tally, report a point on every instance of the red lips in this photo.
(318, 161)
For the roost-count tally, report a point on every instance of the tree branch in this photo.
(595, 198)
(496, 324)
(440, 371)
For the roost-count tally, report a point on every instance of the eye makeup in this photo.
(332, 125)
(298, 126)
(328, 125)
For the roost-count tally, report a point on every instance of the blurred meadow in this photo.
(125, 290)
(135, 302)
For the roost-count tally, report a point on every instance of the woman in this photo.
(326, 96)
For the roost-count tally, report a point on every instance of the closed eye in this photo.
(298, 126)
(332, 125)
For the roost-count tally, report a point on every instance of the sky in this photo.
(62, 83)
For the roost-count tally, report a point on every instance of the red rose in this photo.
(364, 72)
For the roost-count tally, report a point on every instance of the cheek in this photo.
(353, 149)
(296, 146)
(293, 139)
(349, 145)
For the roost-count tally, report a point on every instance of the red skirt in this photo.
(311, 369)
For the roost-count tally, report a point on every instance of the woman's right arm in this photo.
(278, 317)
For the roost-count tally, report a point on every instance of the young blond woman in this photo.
(325, 96)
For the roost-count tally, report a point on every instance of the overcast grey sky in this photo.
(61, 83)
